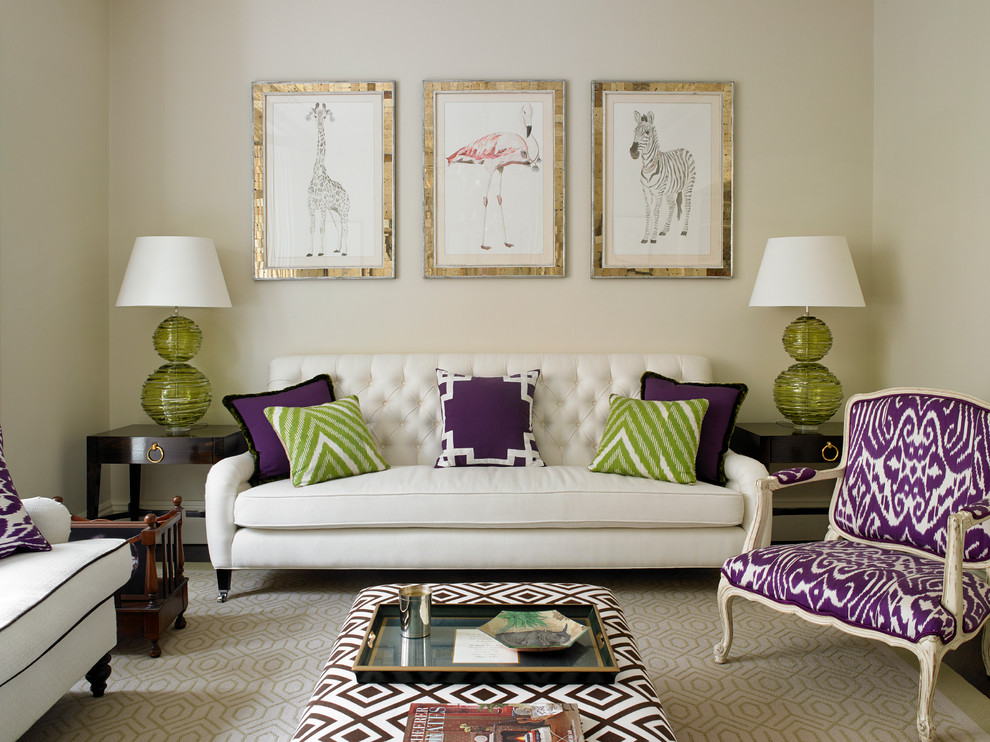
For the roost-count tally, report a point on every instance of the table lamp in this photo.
(175, 272)
(807, 272)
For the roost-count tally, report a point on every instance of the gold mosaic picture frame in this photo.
(493, 178)
(324, 173)
(662, 179)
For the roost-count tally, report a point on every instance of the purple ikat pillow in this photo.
(17, 532)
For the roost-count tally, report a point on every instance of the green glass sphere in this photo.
(176, 395)
(807, 394)
(177, 339)
(807, 339)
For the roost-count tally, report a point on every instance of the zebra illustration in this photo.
(665, 174)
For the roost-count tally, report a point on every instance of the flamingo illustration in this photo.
(495, 152)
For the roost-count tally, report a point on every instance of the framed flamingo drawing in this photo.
(323, 180)
(493, 178)
(662, 179)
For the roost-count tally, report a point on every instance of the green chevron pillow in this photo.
(651, 439)
(328, 441)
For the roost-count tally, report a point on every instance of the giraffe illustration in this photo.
(325, 194)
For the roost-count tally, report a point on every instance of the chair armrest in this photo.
(800, 475)
(225, 481)
(959, 523)
(978, 511)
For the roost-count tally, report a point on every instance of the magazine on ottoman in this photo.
(494, 722)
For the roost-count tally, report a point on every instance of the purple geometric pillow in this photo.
(724, 401)
(487, 420)
(270, 461)
(17, 532)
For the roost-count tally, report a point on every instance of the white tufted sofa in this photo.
(414, 516)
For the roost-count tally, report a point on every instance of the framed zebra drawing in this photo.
(662, 179)
(324, 156)
(493, 178)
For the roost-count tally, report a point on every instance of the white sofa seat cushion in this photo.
(522, 497)
(44, 594)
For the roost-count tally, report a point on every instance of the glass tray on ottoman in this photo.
(386, 656)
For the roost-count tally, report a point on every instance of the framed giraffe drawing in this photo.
(494, 178)
(662, 179)
(324, 164)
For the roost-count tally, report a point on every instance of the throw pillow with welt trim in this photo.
(487, 420)
(328, 441)
(270, 461)
(724, 401)
(653, 440)
(17, 532)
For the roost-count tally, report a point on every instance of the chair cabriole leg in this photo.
(929, 653)
(721, 651)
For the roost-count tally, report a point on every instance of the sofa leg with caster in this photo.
(223, 585)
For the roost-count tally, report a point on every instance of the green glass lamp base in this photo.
(176, 395)
(807, 393)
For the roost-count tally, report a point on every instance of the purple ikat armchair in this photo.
(907, 531)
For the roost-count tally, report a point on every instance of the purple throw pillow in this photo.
(487, 420)
(724, 401)
(270, 461)
(17, 532)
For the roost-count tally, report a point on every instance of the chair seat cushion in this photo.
(861, 585)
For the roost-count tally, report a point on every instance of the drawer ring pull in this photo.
(158, 451)
(829, 452)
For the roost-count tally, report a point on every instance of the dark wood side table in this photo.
(779, 447)
(151, 445)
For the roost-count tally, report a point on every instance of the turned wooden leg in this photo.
(985, 645)
(223, 585)
(180, 621)
(725, 598)
(156, 651)
(98, 674)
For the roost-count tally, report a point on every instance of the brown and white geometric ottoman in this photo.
(343, 710)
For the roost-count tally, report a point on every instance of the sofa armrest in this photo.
(50, 517)
(225, 481)
(743, 474)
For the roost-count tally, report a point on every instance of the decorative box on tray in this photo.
(457, 650)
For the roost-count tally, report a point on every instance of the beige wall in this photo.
(54, 159)
(932, 194)
(180, 161)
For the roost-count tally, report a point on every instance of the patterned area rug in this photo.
(245, 670)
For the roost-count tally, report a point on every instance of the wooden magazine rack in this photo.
(157, 593)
